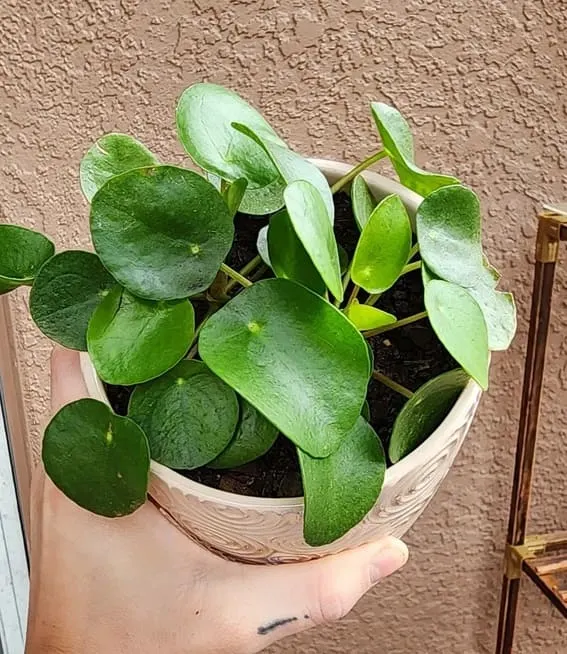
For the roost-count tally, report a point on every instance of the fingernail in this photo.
(391, 556)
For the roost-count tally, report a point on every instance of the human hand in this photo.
(137, 584)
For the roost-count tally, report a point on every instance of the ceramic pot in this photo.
(263, 530)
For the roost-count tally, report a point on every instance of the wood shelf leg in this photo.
(507, 617)
(546, 256)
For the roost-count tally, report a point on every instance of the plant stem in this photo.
(194, 345)
(399, 323)
(258, 274)
(416, 265)
(414, 250)
(235, 275)
(390, 383)
(363, 165)
(372, 299)
(193, 351)
(353, 295)
(248, 268)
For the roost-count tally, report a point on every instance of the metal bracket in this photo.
(533, 546)
(552, 230)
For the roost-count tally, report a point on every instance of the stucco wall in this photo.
(480, 81)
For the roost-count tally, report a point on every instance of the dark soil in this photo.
(410, 355)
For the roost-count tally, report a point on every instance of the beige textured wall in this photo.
(481, 82)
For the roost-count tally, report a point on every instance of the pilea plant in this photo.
(280, 347)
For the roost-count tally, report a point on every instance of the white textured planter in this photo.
(264, 530)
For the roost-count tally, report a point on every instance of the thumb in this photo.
(286, 599)
(67, 383)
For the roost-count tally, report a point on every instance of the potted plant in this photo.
(269, 328)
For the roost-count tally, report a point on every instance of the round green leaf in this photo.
(499, 310)
(65, 293)
(287, 256)
(131, 341)
(292, 166)
(162, 232)
(363, 201)
(449, 235)
(383, 248)
(22, 253)
(310, 221)
(254, 437)
(234, 194)
(204, 116)
(294, 357)
(262, 246)
(99, 460)
(424, 412)
(459, 324)
(265, 200)
(426, 275)
(370, 358)
(111, 155)
(343, 259)
(342, 488)
(189, 415)
(398, 142)
(365, 413)
(364, 316)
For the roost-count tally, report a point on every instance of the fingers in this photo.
(282, 600)
(67, 383)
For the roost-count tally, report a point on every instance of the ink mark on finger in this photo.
(266, 629)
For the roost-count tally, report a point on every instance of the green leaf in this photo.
(365, 413)
(426, 275)
(292, 166)
(234, 194)
(499, 310)
(272, 344)
(265, 200)
(398, 142)
(342, 488)
(99, 460)
(189, 415)
(310, 222)
(363, 201)
(162, 232)
(254, 437)
(131, 341)
(262, 246)
(65, 293)
(370, 357)
(111, 155)
(459, 324)
(287, 256)
(383, 248)
(204, 116)
(364, 316)
(424, 412)
(449, 235)
(22, 253)
(343, 259)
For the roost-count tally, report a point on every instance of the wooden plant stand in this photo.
(543, 558)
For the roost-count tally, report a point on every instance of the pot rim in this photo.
(380, 186)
